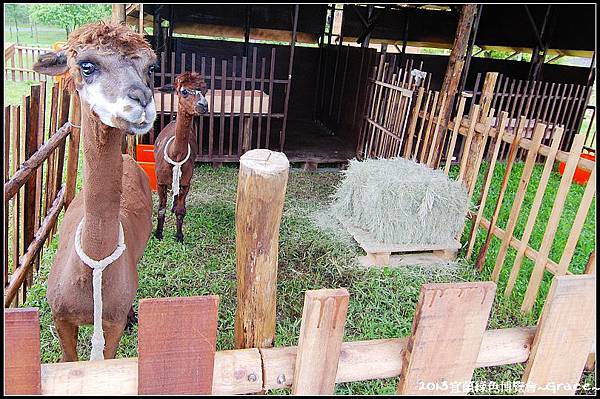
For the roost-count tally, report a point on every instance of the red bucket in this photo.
(145, 158)
(581, 176)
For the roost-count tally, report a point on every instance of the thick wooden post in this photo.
(487, 93)
(261, 190)
(118, 13)
(456, 62)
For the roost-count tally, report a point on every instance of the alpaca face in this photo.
(117, 89)
(111, 68)
(191, 89)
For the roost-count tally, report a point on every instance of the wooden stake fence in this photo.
(36, 192)
(448, 334)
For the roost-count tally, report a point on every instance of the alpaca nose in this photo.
(140, 94)
(202, 105)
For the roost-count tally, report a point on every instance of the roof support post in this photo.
(456, 62)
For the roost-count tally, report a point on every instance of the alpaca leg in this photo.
(67, 335)
(180, 211)
(131, 320)
(162, 207)
(112, 335)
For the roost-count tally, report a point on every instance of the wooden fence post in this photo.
(22, 361)
(176, 345)
(486, 100)
(73, 160)
(558, 358)
(446, 337)
(320, 342)
(261, 189)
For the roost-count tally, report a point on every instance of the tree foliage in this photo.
(69, 16)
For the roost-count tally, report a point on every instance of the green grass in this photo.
(46, 36)
(382, 301)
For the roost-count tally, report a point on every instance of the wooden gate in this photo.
(386, 119)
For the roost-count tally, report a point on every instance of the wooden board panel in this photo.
(321, 334)
(446, 337)
(564, 336)
(176, 340)
(367, 242)
(22, 375)
(226, 105)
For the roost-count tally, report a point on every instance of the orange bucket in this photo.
(581, 176)
(145, 158)
(144, 153)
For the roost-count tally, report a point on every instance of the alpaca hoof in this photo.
(179, 238)
(158, 235)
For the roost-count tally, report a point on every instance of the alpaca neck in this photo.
(178, 149)
(102, 186)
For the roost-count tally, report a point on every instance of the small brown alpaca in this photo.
(175, 148)
(110, 66)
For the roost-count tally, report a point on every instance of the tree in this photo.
(16, 13)
(69, 16)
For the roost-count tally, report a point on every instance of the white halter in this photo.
(176, 167)
(98, 266)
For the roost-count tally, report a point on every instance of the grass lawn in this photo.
(311, 256)
(46, 36)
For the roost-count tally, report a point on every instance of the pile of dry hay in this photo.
(400, 201)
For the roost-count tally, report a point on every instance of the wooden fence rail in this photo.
(450, 343)
(18, 63)
(36, 190)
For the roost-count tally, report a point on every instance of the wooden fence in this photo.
(35, 185)
(244, 99)
(483, 131)
(538, 101)
(391, 91)
(18, 63)
(176, 346)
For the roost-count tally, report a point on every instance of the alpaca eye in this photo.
(87, 68)
(184, 92)
(151, 69)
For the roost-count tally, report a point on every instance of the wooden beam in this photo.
(240, 371)
(118, 13)
(456, 62)
(262, 183)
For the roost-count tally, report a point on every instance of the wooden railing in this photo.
(244, 98)
(466, 141)
(35, 187)
(18, 63)
(176, 346)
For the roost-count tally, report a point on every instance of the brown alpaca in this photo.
(110, 67)
(190, 88)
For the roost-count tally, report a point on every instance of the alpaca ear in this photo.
(52, 63)
(168, 88)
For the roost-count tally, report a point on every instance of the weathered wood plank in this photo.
(446, 336)
(564, 336)
(321, 334)
(22, 369)
(176, 345)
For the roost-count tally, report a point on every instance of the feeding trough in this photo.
(581, 176)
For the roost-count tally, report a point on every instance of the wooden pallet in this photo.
(379, 254)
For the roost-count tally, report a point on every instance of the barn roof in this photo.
(502, 26)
